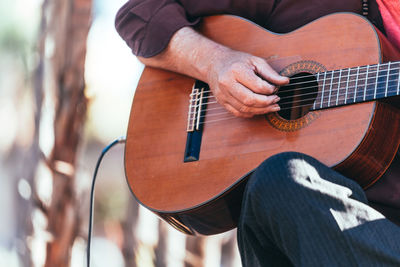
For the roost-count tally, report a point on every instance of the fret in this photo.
(318, 95)
(330, 89)
(365, 84)
(387, 80)
(383, 74)
(355, 86)
(393, 81)
(361, 83)
(398, 78)
(351, 85)
(338, 88)
(343, 96)
(342, 87)
(323, 88)
(376, 81)
(334, 88)
(370, 87)
(347, 86)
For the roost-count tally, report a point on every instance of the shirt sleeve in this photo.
(148, 25)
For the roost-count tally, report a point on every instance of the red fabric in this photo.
(390, 10)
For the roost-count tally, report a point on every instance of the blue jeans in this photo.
(298, 212)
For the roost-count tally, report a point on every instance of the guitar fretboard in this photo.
(356, 85)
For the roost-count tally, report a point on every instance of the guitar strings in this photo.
(331, 72)
(349, 75)
(361, 79)
(310, 87)
(226, 112)
(349, 89)
(379, 65)
(334, 96)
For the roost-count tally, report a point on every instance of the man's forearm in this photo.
(244, 84)
(188, 53)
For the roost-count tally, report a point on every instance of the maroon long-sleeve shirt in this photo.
(148, 25)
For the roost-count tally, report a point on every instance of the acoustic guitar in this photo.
(187, 159)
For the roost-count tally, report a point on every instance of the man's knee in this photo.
(286, 167)
(283, 175)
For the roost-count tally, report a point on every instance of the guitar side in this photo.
(204, 196)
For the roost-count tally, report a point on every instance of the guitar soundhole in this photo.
(298, 96)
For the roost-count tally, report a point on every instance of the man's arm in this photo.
(242, 83)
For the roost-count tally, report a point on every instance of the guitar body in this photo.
(204, 196)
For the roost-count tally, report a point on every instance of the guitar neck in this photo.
(356, 85)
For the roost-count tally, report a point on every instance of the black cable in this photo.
(105, 150)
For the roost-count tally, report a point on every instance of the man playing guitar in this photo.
(295, 210)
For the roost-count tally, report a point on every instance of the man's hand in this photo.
(244, 84)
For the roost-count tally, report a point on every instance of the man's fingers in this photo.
(249, 79)
(250, 99)
(268, 73)
(245, 84)
(244, 112)
(259, 76)
(240, 109)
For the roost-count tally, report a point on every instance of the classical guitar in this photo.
(187, 159)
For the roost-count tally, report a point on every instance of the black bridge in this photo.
(196, 117)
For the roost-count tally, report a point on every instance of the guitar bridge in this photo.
(196, 116)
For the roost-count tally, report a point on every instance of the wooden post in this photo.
(69, 23)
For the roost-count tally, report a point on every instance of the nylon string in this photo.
(283, 103)
(326, 77)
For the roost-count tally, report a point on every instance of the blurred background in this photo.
(66, 85)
